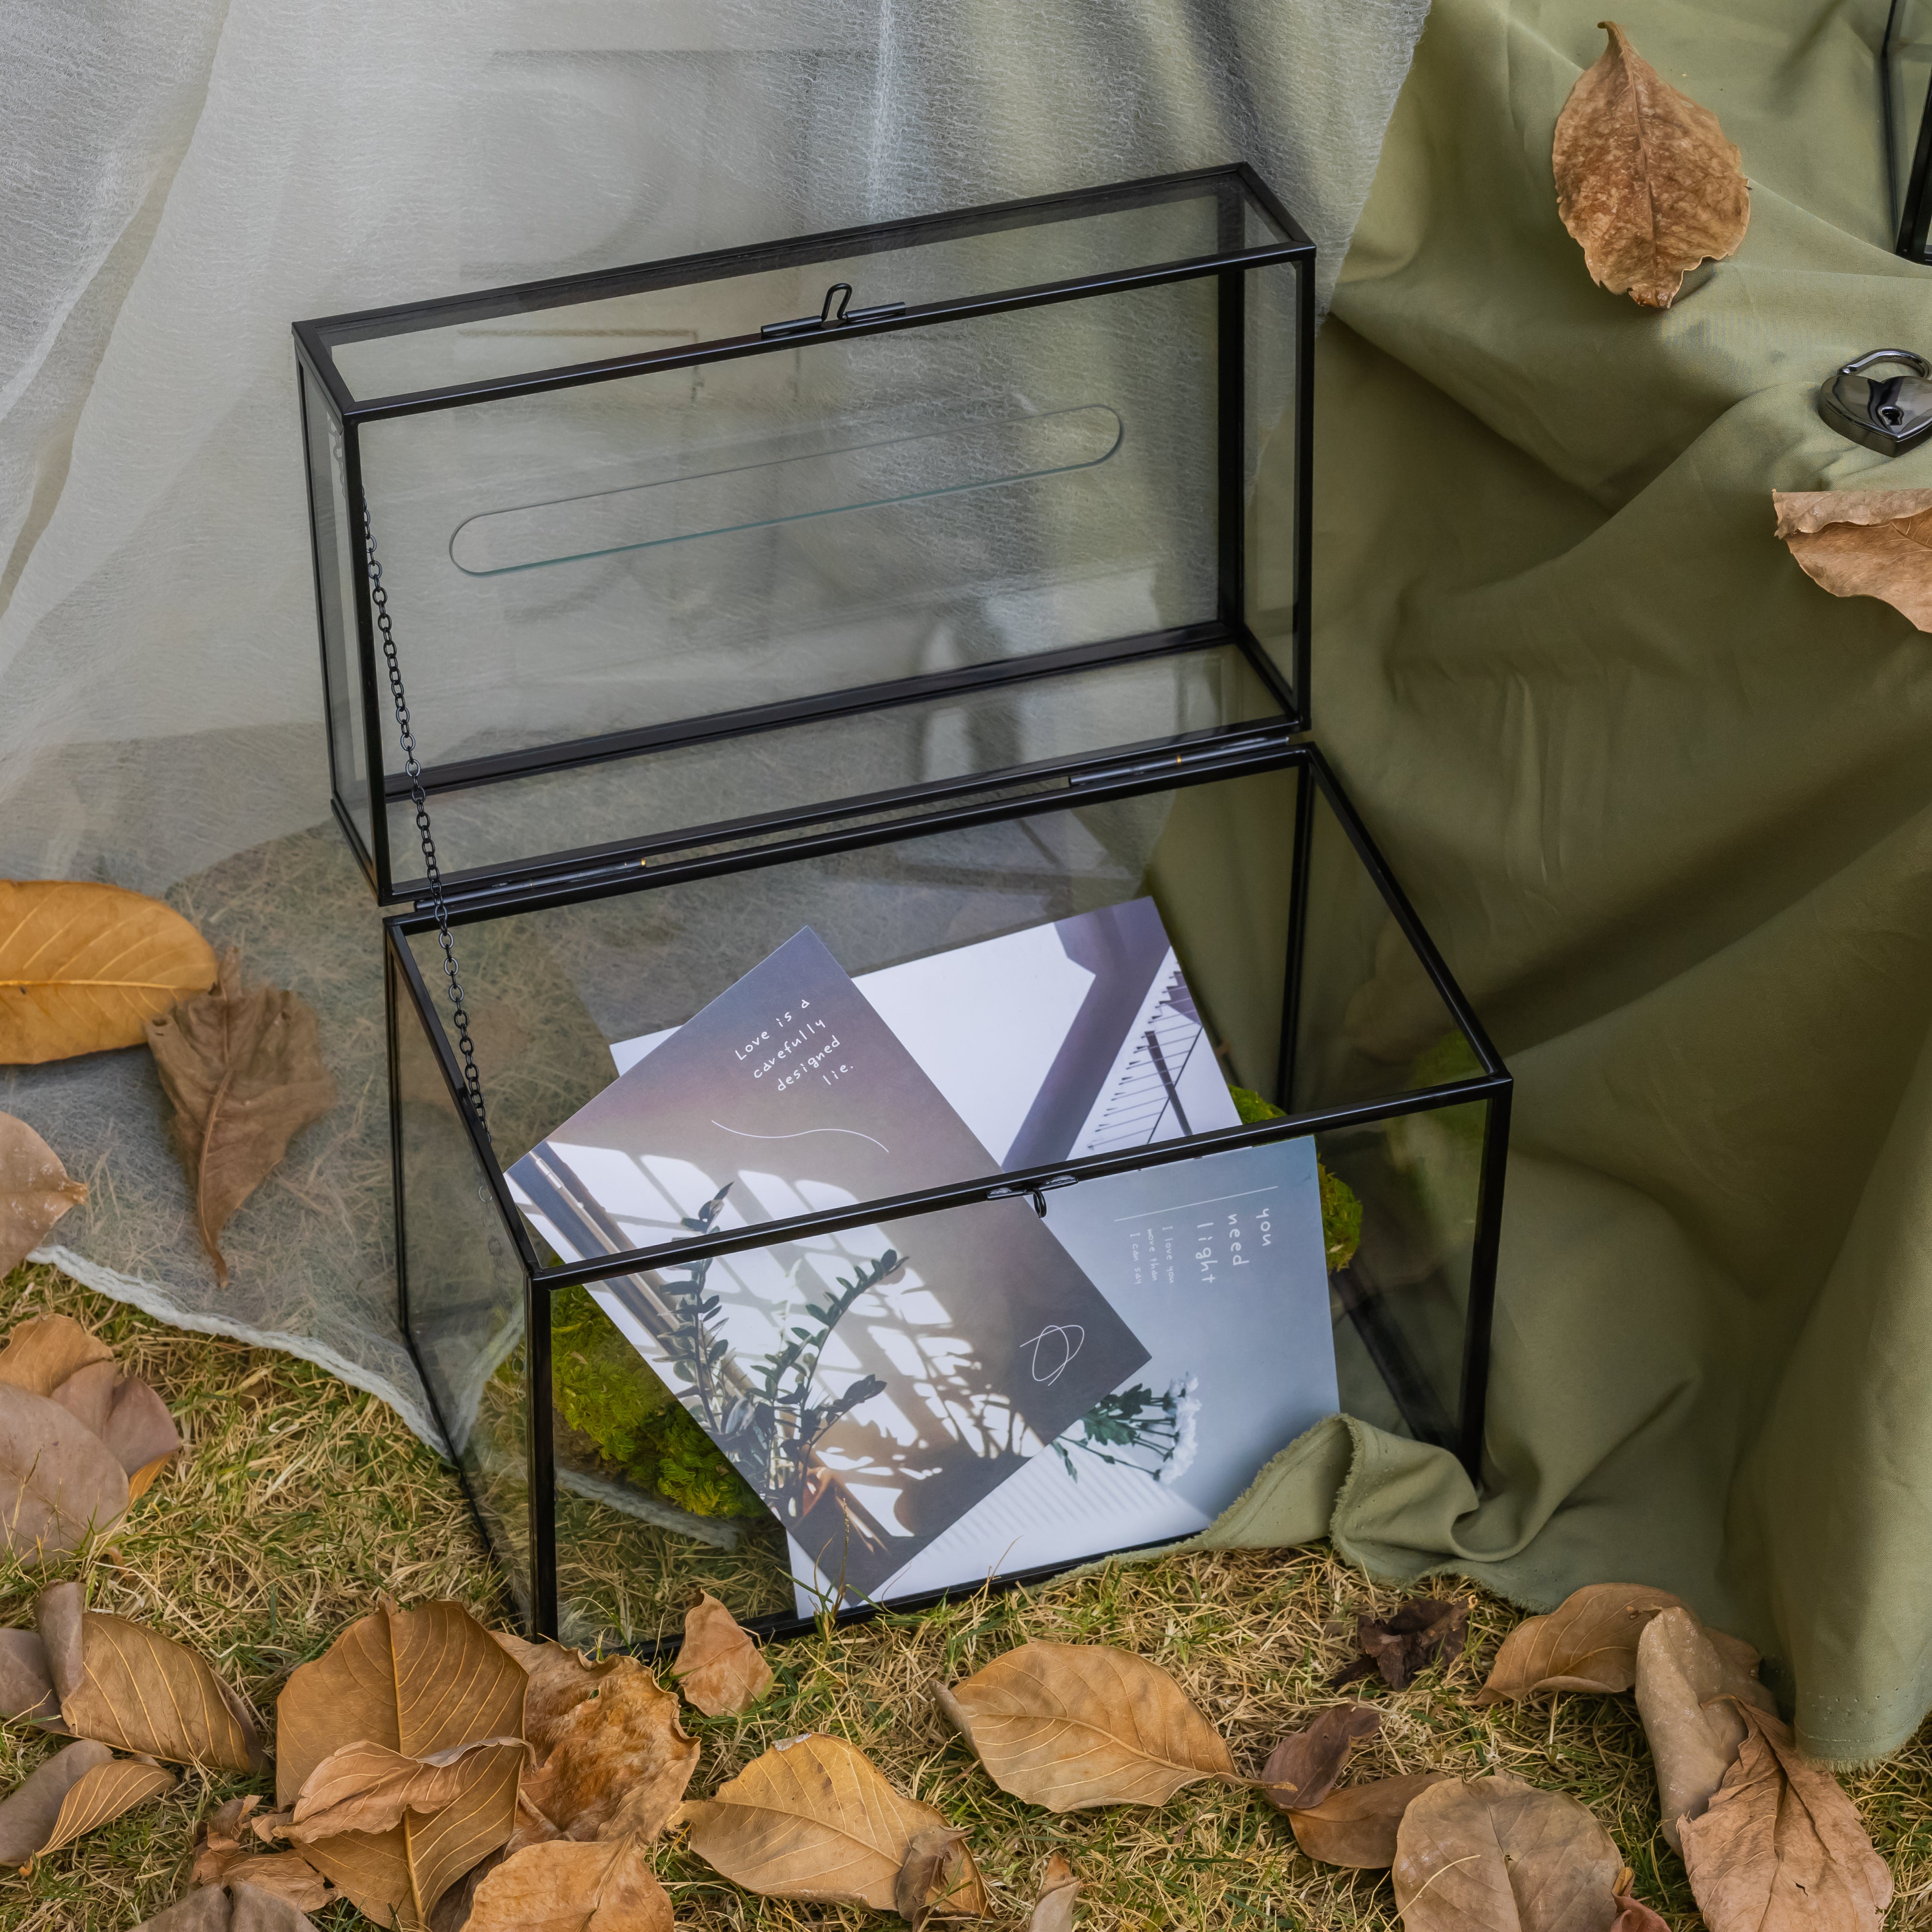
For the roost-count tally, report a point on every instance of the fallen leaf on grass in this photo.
(1781, 1847)
(1401, 1646)
(53, 1356)
(240, 1908)
(131, 1687)
(367, 1787)
(227, 1853)
(1495, 1853)
(617, 1762)
(104, 1793)
(35, 1191)
(419, 1682)
(1646, 183)
(1357, 1824)
(59, 1483)
(564, 1887)
(812, 1819)
(1863, 543)
(938, 1879)
(243, 1071)
(1694, 1730)
(28, 1813)
(26, 1683)
(1071, 1726)
(719, 1666)
(1633, 1914)
(1059, 1888)
(84, 967)
(1302, 1769)
(1587, 1642)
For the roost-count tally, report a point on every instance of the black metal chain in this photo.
(472, 1081)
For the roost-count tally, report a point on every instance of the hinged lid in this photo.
(740, 540)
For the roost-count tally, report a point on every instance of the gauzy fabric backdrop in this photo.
(180, 179)
(1667, 807)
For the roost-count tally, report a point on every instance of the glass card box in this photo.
(922, 608)
(1905, 83)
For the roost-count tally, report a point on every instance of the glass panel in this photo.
(1908, 79)
(465, 1290)
(487, 337)
(647, 1508)
(335, 555)
(926, 1432)
(849, 512)
(1372, 1026)
(1003, 728)
(1270, 483)
(554, 990)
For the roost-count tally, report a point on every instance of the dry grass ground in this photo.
(297, 1499)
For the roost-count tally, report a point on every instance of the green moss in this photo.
(1341, 1220)
(1449, 1059)
(642, 1431)
(1341, 1210)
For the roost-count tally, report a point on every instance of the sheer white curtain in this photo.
(179, 179)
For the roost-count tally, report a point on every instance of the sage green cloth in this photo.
(1667, 808)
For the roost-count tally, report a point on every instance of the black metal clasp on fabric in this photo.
(837, 311)
(1889, 413)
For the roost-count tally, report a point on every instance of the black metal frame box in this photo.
(920, 583)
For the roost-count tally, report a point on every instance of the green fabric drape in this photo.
(1667, 808)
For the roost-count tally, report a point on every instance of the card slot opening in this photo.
(861, 476)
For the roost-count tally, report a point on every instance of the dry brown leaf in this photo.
(1863, 543)
(243, 1071)
(1302, 1769)
(562, 1886)
(236, 1908)
(53, 1355)
(618, 1760)
(1781, 1848)
(1398, 1647)
(1587, 1642)
(1053, 1912)
(1493, 1855)
(419, 1681)
(84, 967)
(225, 1854)
(812, 1819)
(1646, 184)
(558, 1680)
(59, 1483)
(1694, 1730)
(1633, 1914)
(27, 1812)
(1072, 1726)
(43, 1353)
(1357, 1825)
(368, 1787)
(35, 1191)
(104, 1793)
(938, 1879)
(26, 1683)
(131, 1687)
(719, 1667)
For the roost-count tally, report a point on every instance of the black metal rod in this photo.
(732, 349)
(321, 334)
(1164, 773)
(537, 1398)
(1298, 937)
(1485, 1258)
(365, 652)
(1011, 1183)
(925, 687)
(1304, 482)
(484, 886)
